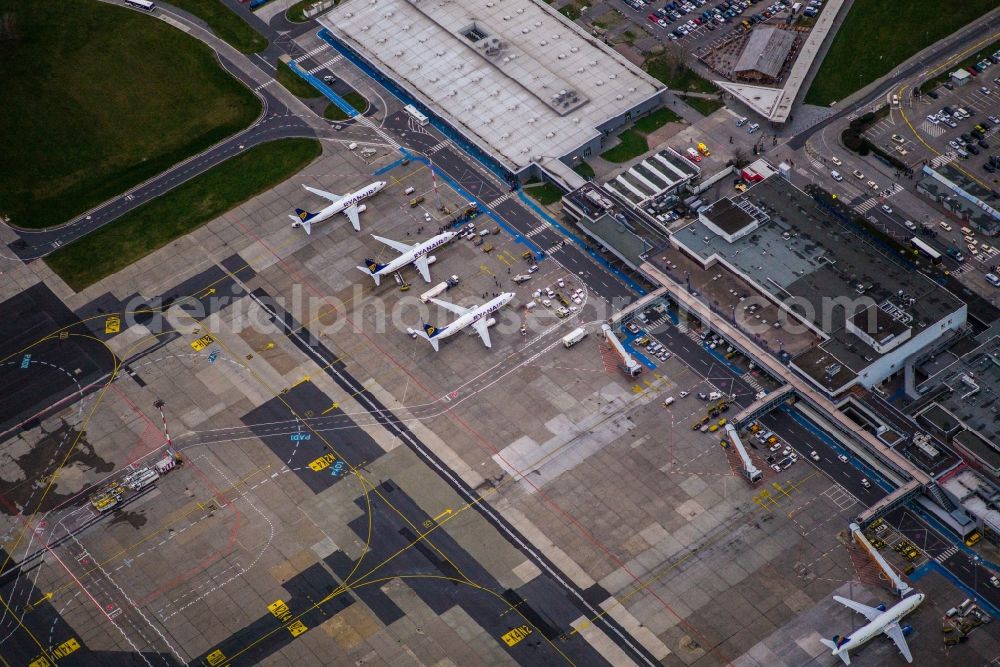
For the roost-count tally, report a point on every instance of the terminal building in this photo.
(870, 312)
(516, 78)
(961, 405)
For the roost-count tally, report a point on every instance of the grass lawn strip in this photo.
(225, 23)
(544, 193)
(98, 99)
(295, 84)
(180, 211)
(899, 29)
(656, 120)
(633, 144)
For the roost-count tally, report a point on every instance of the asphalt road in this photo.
(937, 53)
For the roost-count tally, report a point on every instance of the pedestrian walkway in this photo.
(329, 63)
(502, 198)
(867, 205)
(436, 147)
(752, 381)
(943, 159)
(537, 230)
(312, 52)
(946, 554)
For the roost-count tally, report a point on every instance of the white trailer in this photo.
(433, 292)
(574, 337)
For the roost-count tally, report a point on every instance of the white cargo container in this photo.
(574, 337)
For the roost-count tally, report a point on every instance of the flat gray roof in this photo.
(972, 387)
(727, 216)
(516, 76)
(806, 253)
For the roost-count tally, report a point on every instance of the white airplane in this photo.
(346, 204)
(418, 255)
(880, 620)
(477, 316)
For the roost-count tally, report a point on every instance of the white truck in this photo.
(574, 337)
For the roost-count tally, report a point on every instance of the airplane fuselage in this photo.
(479, 313)
(877, 626)
(425, 248)
(348, 200)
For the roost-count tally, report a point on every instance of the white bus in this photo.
(925, 249)
(413, 113)
(144, 5)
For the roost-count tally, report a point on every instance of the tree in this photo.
(8, 27)
(740, 157)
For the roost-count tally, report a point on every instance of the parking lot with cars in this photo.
(956, 122)
(698, 23)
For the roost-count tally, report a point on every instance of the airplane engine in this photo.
(490, 322)
(431, 259)
(880, 607)
(907, 630)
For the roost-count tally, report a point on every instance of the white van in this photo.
(669, 400)
(741, 121)
(409, 191)
(992, 279)
(836, 175)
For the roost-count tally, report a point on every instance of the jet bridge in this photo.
(901, 586)
(628, 364)
(749, 469)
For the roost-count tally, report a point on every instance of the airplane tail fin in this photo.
(301, 219)
(372, 268)
(835, 644)
(430, 332)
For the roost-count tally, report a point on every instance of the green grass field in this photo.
(544, 193)
(97, 99)
(356, 100)
(295, 84)
(878, 35)
(632, 144)
(225, 23)
(585, 170)
(703, 105)
(656, 120)
(180, 211)
(686, 79)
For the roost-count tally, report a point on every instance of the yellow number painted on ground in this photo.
(297, 628)
(323, 462)
(40, 661)
(515, 636)
(66, 648)
(112, 324)
(216, 657)
(200, 344)
(280, 610)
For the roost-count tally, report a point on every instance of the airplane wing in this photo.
(458, 310)
(895, 633)
(424, 267)
(352, 214)
(871, 613)
(483, 331)
(323, 193)
(395, 245)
